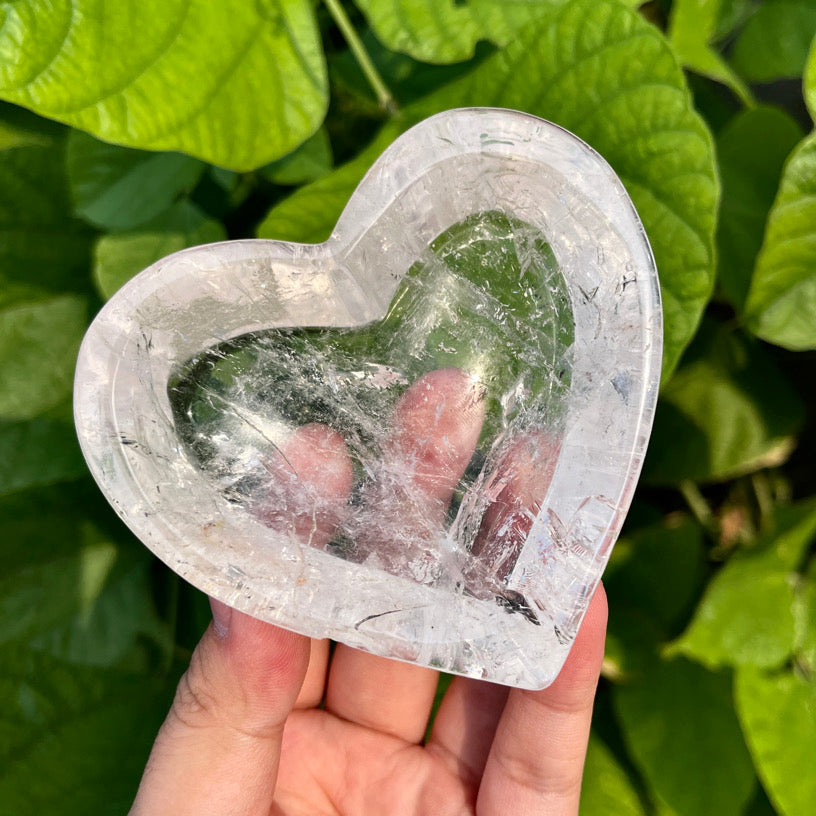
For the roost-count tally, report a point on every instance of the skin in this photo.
(264, 722)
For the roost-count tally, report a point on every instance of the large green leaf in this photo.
(236, 84)
(680, 725)
(118, 188)
(778, 715)
(40, 451)
(73, 740)
(781, 303)
(775, 41)
(39, 341)
(725, 376)
(39, 240)
(603, 72)
(310, 213)
(611, 78)
(447, 31)
(804, 611)
(692, 26)
(747, 615)
(13, 136)
(68, 588)
(310, 161)
(606, 789)
(645, 612)
(752, 150)
(118, 257)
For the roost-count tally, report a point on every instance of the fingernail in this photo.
(222, 614)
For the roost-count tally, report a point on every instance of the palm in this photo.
(330, 766)
(265, 723)
(356, 741)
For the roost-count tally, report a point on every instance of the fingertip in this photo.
(442, 395)
(436, 427)
(320, 457)
(268, 661)
(310, 480)
(537, 758)
(592, 633)
(579, 676)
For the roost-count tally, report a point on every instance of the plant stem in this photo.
(384, 96)
(764, 499)
(699, 507)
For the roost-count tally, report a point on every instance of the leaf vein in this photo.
(132, 79)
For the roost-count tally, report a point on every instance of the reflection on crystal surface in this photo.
(447, 413)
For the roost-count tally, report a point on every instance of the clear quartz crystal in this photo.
(419, 438)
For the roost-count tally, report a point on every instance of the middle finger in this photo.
(435, 429)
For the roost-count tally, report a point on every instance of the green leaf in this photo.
(73, 740)
(781, 303)
(778, 716)
(724, 376)
(804, 611)
(603, 72)
(775, 41)
(692, 26)
(809, 81)
(673, 546)
(118, 257)
(117, 188)
(448, 31)
(311, 212)
(607, 75)
(12, 136)
(746, 617)
(644, 612)
(68, 588)
(752, 150)
(39, 240)
(39, 341)
(39, 452)
(237, 85)
(680, 725)
(793, 531)
(407, 79)
(310, 161)
(606, 789)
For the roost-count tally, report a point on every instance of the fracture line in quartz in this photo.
(242, 416)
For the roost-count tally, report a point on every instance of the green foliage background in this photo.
(131, 130)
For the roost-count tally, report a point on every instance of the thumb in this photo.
(219, 748)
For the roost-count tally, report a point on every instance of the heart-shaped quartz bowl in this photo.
(489, 273)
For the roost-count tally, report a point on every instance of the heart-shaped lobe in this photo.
(420, 437)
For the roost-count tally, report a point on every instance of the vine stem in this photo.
(384, 96)
(699, 507)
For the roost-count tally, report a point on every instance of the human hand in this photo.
(266, 721)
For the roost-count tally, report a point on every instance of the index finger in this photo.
(219, 748)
